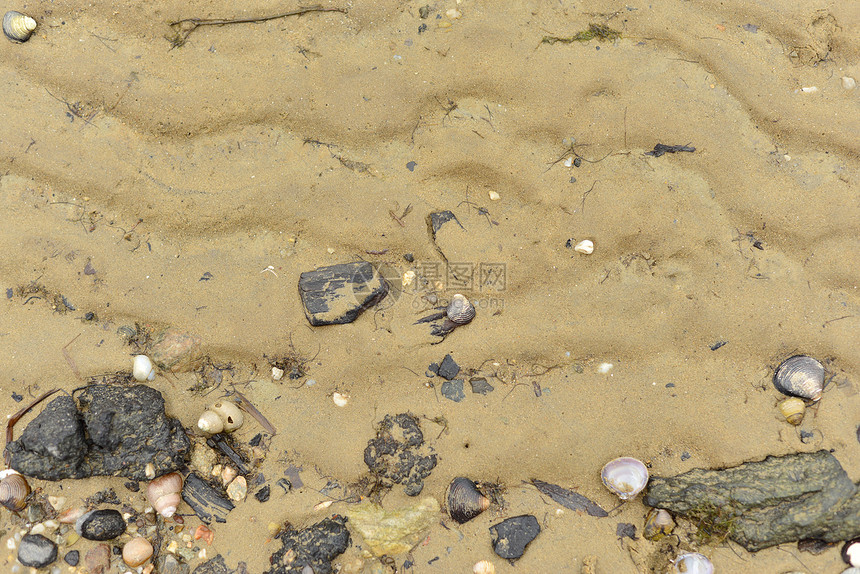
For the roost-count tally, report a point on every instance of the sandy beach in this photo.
(159, 179)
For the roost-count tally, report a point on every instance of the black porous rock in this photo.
(398, 454)
(263, 494)
(36, 551)
(449, 368)
(511, 536)
(206, 502)
(214, 565)
(104, 524)
(338, 294)
(112, 431)
(315, 546)
(777, 500)
(480, 386)
(72, 557)
(453, 390)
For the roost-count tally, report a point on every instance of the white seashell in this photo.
(340, 399)
(586, 246)
(625, 476)
(484, 567)
(143, 369)
(210, 423)
(693, 563)
(18, 27)
(229, 413)
(277, 374)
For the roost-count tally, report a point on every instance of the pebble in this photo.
(511, 536)
(481, 386)
(105, 524)
(238, 489)
(37, 551)
(453, 390)
(72, 558)
(494, 196)
(448, 369)
(97, 559)
(586, 247)
(848, 82)
(263, 494)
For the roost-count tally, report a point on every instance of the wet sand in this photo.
(190, 186)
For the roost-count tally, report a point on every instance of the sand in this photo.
(191, 185)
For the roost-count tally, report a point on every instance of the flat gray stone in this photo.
(777, 500)
(338, 294)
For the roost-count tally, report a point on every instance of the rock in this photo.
(212, 566)
(480, 386)
(169, 564)
(448, 369)
(338, 294)
(97, 559)
(389, 533)
(263, 494)
(777, 500)
(511, 536)
(315, 547)
(174, 350)
(104, 524)
(72, 558)
(37, 551)
(127, 429)
(453, 390)
(405, 461)
(206, 502)
(439, 218)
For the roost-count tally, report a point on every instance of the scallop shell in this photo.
(625, 476)
(693, 563)
(484, 567)
(460, 310)
(230, 414)
(465, 501)
(136, 551)
(210, 423)
(793, 410)
(163, 493)
(18, 27)
(14, 491)
(800, 376)
(658, 524)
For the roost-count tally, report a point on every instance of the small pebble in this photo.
(848, 82)
(494, 196)
(36, 551)
(105, 524)
(72, 558)
(586, 247)
(453, 390)
(97, 559)
(238, 489)
(263, 494)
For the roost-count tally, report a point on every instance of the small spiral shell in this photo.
(14, 491)
(18, 27)
(163, 493)
(465, 501)
(800, 376)
(210, 423)
(793, 410)
(460, 310)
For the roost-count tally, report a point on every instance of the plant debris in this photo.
(660, 149)
(569, 499)
(601, 32)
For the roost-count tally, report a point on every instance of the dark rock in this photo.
(37, 551)
(448, 369)
(168, 564)
(480, 386)
(206, 502)
(104, 524)
(72, 558)
(409, 257)
(625, 530)
(439, 218)
(453, 390)
(339, 293)
(398, 455)
(126, 427)
(777, 500)
(214, 565)
(315, 546)
(510, 537)
(263, 494)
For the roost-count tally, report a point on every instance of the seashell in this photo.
(143, 369)
(136, 551)
(14, 491)
(484, 567)
(793, 410)
(18, 27)
(658, 523)
(800, 376)
(210, 423)
(625, 476)
(460, 310)
(693, 563)
(163, 493)
(465, 501)
(230, 415)
(586, 247)
(851, 552)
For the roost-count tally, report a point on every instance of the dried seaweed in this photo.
(598, 31)
(569, 499)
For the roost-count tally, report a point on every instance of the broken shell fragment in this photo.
(586, 247)
(14, 491)
(800, 376)
(658, 524)
(143, 369)
(18, 27)
(625, 477)
(465, 501)
(136, 551)
(793, 410)
(163, 493)
(693, 563)
(484, 567)
(460, 310)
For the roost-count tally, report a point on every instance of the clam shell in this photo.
(18, 27)
(136, 551)
(484, 567)
(693, 563)
(800, 376)
(230, 414)
(625, 476)
(14, 491)
(460, 310)
(658, 524)
(793, 410)
(465, 501)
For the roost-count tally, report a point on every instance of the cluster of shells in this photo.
(801, 378)
(222, 416)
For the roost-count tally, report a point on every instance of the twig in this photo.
(69, 359)
(10, 426)
(187, 25)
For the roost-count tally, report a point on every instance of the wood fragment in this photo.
(10, 426)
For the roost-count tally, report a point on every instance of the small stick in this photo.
(10, 426)
(69, 358)
(252, 410)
